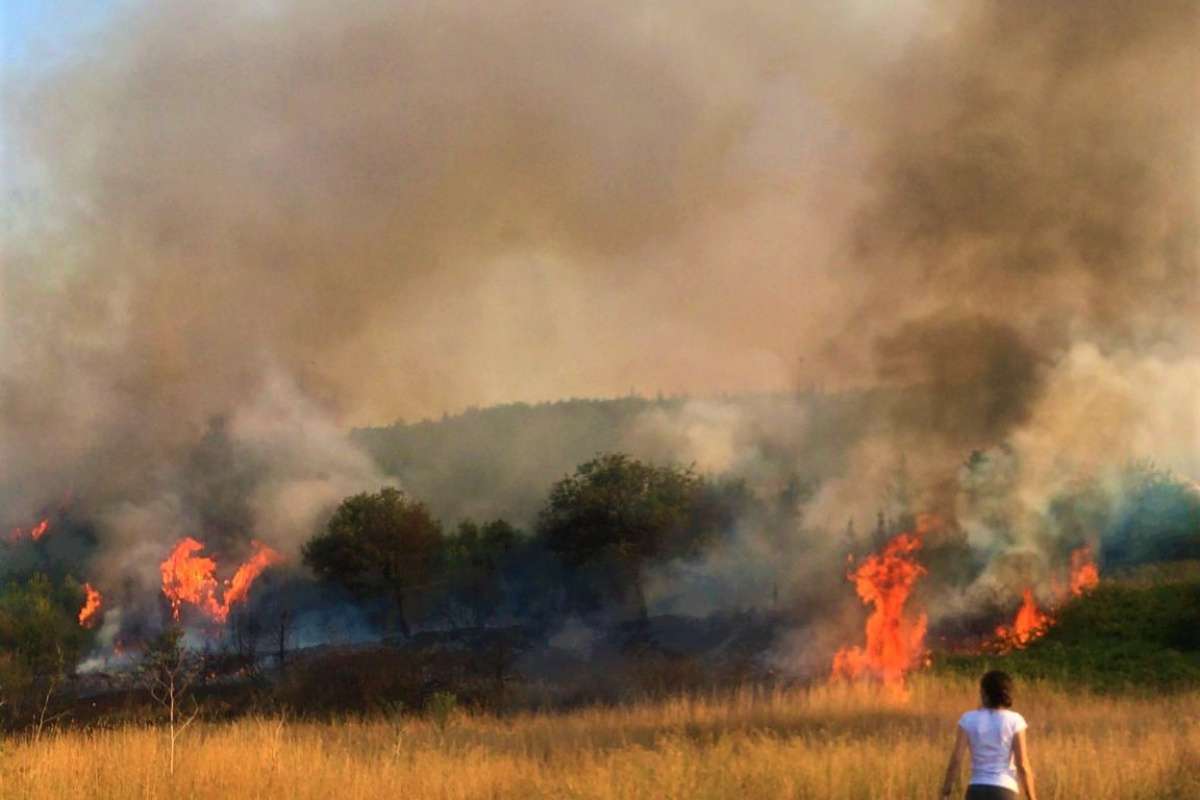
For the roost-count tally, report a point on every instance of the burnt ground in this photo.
(500, 669)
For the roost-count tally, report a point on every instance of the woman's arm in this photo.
(952, 769)
(1024, 770)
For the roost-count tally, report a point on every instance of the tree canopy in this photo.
(617, 509)
(474, 560)
(40, 638)
(383, 543)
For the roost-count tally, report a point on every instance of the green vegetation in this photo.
(499, 460)
(1139, 633)
(599, 531)
(381, 543)
(40, 642)
(1157, 518)
(474, 561)
(618, 512)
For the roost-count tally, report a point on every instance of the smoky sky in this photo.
(396, 210)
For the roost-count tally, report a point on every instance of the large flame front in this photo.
(191, 578)
(895, 641)
(90, 613)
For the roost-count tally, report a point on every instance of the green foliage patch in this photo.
(1127, 635)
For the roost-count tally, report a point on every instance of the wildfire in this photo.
(895, 641)
(188, 578)
(1030, 623)
(237, 589)
(90, 613)
(34, 533)
(1085, 575)
(191, 578)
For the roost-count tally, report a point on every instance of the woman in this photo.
(999, 753)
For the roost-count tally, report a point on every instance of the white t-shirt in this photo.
(991, 732)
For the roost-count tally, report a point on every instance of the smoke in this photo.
(1027, 257)
(1034, 192)
(1026, 287)
(402, 210)
(238, 229)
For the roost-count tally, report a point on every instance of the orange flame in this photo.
(1085, 575)
(895, 642)
(237, 589)
(35, 533)
(190, 578)
(1030, 623)
(90, 613)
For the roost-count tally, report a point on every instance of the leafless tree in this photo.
(169, 673)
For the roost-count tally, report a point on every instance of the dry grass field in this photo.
(827, 742)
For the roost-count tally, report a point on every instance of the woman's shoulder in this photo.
(1015, 720)
(1011, 718)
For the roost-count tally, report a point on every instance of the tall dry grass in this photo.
(827, 742)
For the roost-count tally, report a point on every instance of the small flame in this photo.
(1085, 575)
(191, 578)
(1029, 623)
(36, 532)
(90, 613)
(895, 641)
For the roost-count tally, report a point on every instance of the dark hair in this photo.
(996, 687)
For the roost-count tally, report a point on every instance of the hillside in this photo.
(500, 461)
(1137, 631)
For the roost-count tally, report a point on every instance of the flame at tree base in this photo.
(895, 640)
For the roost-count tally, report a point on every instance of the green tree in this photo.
(378, 544)
(1157, 518)
(474, 560)
(620, 512)
(40, 642)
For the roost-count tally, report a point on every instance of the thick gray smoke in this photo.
(400, 209)
(236, 229)
(1029, 247)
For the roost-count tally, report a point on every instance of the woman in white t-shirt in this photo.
(995, 735)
